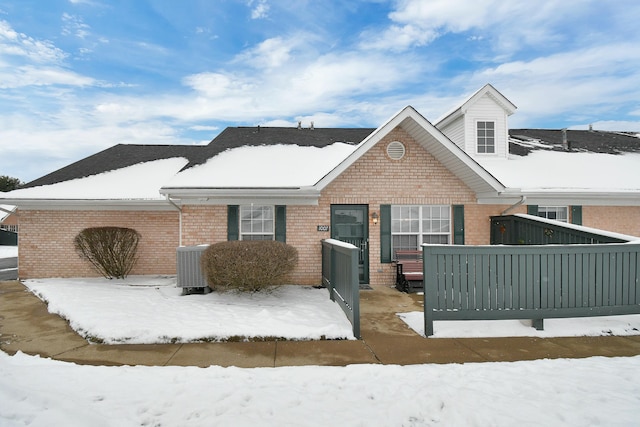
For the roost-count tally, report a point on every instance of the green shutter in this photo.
(458, 224)
(576, 215)
(385, 233)
(233, 226)
(532, 210)
(281, 223)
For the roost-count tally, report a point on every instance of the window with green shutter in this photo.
(257, 222)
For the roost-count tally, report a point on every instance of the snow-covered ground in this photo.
(126, 311)
(584, 392)
(43, 392)
(151, 309)
(8, 251)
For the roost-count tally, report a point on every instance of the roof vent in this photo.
(311, 127)
(299, 124)
(396, 150)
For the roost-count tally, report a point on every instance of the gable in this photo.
(416, 178)
(435, 143)
(487, 104)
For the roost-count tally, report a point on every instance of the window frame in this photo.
(543, 212)
(424, 222)
(256, 231)
(485, 138)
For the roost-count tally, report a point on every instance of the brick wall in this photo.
(373, 180)
(203, 225)
(46, 241)
(620, 219)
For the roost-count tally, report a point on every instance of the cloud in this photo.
(260, 9)
(19, 45)
(73, 25)
(41, 76)
(271, 53)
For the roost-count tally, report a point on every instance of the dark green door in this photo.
(350, 223)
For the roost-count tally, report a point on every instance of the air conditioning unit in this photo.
(190, 276)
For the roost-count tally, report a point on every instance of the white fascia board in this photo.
(363, 147)
(409, 113)
(455, 154)
(306, 196)
(91, 205)
(498, 97)
(564, 198)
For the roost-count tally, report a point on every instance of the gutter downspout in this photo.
(179, 219)
(515, 205)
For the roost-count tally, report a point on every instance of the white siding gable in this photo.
(487, 110)
(486, 105)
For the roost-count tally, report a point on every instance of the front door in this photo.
(350, 223)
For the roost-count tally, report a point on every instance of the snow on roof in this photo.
(553, 170)
(264, 166)
(140, 181)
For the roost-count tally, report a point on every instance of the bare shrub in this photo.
(248, 266)
(111, 250)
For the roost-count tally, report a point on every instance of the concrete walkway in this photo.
(26, 325)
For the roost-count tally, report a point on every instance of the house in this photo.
(405, 183)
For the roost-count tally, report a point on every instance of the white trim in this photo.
(431, 139)
(91, 205)
(488, 89)
(237, 196)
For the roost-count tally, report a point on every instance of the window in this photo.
(256, 222)
(486, 137)
(412, 226)
(559, 213)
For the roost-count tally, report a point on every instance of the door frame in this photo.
(364, 249)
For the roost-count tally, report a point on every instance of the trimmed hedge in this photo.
(249, 265)
(111, 250)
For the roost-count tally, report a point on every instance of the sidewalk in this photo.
(25, 325)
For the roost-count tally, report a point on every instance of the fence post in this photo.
(429, 290)
(355, 292)
(332, 272)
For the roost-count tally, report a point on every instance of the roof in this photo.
(123, 155)
(594, 167)
(462, 108)
(117, 157)
(523, 141)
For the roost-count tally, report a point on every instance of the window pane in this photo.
(256, 222)
(404, 242)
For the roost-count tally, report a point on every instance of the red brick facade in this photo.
(46, 237)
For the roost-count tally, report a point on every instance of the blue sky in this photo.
(78, 76)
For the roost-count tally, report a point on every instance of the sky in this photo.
(79, 76)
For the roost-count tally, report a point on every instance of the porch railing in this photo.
(530, 282)
(340, 276)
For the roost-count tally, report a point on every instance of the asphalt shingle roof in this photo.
(524, 141)
(123, 155)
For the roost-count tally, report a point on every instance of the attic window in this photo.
(486, 137)
(395, 150)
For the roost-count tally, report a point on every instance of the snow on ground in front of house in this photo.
(580, 171)
(571, 327)
(561, 392)
(151, 309)
(8, 251)
(265, 166)
(43, 392)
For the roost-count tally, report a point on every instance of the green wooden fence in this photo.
(340, 275)
(530, 282)
(520, 229)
